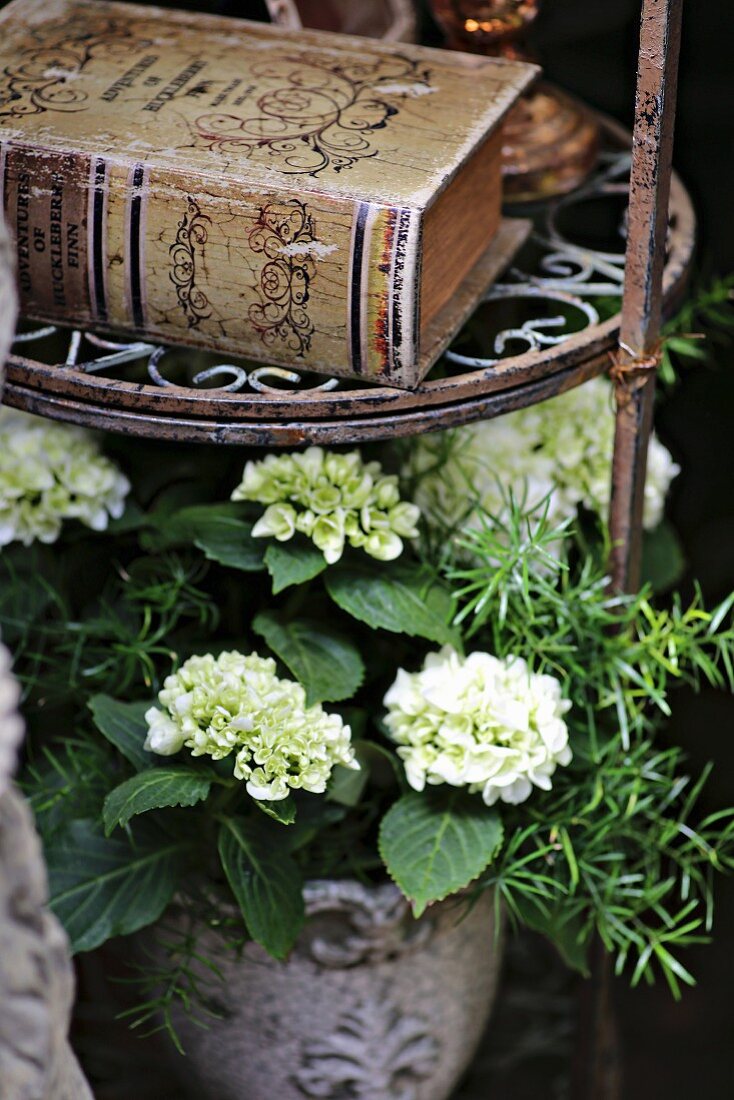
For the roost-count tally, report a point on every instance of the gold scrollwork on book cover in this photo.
(313, 115)
(42, 78)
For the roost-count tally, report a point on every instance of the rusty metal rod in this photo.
(597, 1073)
(652, 149)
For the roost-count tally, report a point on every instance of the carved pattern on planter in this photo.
(373, 924)
(374, 1052)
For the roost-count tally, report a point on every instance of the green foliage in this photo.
(323, 660)
(174, 974)
(401, 599)
(284, 810)
(434, 844)
(663, 560)
(124, 726)
(265, 881)
(68, 780)
(612, 849)
(110, 632)
(348, 785)
(609, 848)
(102, 887)
(616, 848)
(294, 562)
(155, 789)
(220, 530)
(614, 653)
(706, 318)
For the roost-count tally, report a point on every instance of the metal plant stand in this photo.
(143, 390)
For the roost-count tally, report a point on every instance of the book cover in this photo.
(293, 197)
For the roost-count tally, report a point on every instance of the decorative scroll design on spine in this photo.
(191, 235)
(312, 116)
(283, 233)
(42, 78)
(383, 309)
(382, 340)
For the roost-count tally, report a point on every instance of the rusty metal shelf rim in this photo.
(282, 417)
(292, 433)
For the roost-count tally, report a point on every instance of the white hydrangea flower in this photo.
(235, 704)
(165, 736)
(52, 472)
(479, 722)
(561, 447)
(333, 499)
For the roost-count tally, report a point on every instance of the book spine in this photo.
(294, 279)
(384, 282)
(44, 200)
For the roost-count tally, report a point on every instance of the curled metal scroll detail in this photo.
(567, 272)
(115, 353)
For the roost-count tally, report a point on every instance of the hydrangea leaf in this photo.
(132, 519)
(347, 785)
(663, 559)
(265, 881)
(293, 562)
(434, 844)
(124, 725)
(155, 789)
(220, 530)
(284, 810)
(396, 598)
(325, 662)
(377, 765)
(569, 933)
(102, 887)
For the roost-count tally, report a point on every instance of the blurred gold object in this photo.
(477, 25)
(550, 145)
(551, 141)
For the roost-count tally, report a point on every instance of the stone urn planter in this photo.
(371, 1004)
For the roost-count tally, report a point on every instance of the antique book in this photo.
(298, 197)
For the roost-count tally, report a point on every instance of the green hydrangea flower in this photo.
(52, 472)
(562, 447)
(333, 499)
(235, 704)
